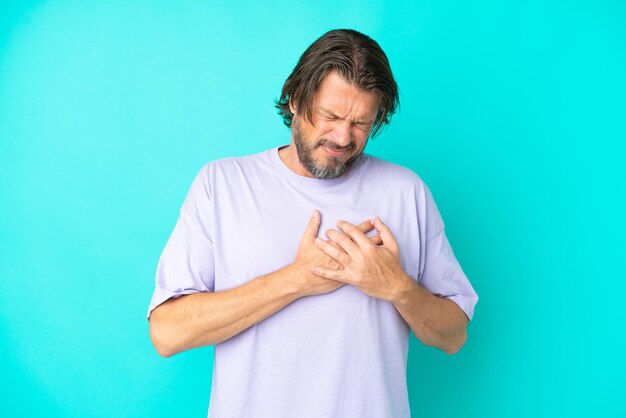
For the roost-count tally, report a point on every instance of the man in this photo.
(307, 265)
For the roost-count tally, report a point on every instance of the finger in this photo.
(354, 233)
(313, 226)
(345, 242)
(334, 265)
(334, 244)
(367, 226)
(332, 251)
(376, 239)
(338, 275)
(385, 234)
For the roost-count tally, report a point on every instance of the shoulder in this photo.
(238, 162)
(395, 179)
(220, 175)
(392, 174)
(229, 166)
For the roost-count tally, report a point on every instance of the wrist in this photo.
(405, 290)
(293, 278)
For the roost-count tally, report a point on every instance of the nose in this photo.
(342, 134)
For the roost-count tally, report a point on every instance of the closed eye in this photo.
(328, 117)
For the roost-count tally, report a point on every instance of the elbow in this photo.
(456, 344)
(452, 350)
(164, 351)
(159, 341)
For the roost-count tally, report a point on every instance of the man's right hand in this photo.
(309, 255)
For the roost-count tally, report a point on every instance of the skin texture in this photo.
(343, 117)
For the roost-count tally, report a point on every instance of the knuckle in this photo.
(343, 239)
(369, 251)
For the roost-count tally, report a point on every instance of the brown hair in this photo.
(358, 59)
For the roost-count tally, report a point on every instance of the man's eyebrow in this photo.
(331, 113)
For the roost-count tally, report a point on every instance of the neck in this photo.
(289, 155)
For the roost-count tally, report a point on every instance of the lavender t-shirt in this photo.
(342, 354)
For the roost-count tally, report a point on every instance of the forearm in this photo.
(435, 321)
(203, 319)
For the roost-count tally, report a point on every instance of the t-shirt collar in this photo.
(305, 181)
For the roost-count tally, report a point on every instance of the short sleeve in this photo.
(442, 274)
(186, 264)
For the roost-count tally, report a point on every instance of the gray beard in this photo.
(335, 166)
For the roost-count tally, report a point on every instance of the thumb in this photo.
(313, 226)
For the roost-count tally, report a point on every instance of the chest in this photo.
(257, 227)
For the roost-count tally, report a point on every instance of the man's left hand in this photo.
(374, 269)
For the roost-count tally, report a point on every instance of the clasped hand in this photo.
(371, 264)
(374, 269)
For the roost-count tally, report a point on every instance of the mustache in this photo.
(332, 145)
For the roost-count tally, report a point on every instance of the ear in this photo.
(292, 106)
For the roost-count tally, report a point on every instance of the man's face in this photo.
(343, 116)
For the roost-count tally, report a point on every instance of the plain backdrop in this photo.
(512, 112)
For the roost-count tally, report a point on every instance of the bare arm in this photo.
(376, 270)
(208, 318)
(435, 321)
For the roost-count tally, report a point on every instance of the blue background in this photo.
(512, 112)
